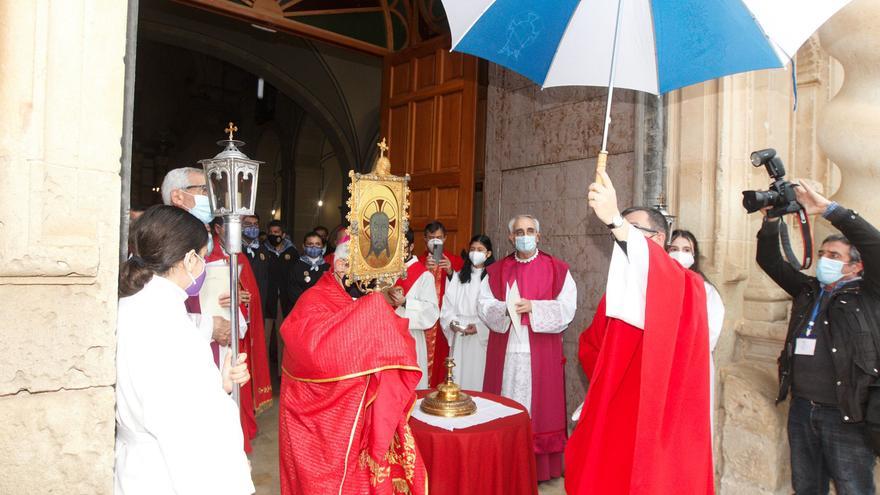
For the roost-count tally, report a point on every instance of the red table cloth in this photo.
(497, 457)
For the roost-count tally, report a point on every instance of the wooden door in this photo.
(429, 115)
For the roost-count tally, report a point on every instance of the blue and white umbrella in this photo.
(653, 46)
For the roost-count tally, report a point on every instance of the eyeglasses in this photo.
(202, 188)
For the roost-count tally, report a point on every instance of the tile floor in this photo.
(265, 459)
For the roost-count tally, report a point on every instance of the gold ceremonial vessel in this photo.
(448, 400)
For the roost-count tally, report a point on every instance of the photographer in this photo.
(830, 358)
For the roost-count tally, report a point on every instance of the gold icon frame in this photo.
(377, 198)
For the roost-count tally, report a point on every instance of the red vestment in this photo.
(539, 280)
(350, 373)
(645, 425)
(256, 394)
(438, 347)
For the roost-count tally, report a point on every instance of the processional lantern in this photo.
(231, 178)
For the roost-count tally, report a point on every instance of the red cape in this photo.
(645, 425)
(438, 347)
(256, 394)
(350, 373)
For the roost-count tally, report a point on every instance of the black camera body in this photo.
(780, 195)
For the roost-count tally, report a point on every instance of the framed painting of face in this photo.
(378, 219)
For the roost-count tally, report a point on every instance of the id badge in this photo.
(805, 347)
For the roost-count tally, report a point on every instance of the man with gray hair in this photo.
(527, 300)
(185, 188)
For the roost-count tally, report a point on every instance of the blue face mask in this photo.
(202, 209)
(251, 231)
(312, 251)
(526, 243)
(828, 270)
(210, 245)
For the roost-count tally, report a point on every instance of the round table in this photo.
(495, 457)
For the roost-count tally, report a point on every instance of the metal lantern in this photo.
(231, 178)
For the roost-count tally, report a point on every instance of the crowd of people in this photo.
(350, 358)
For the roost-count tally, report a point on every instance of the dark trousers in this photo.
(824, 448)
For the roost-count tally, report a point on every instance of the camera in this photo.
(780, 195)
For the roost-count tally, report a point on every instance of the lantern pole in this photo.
(233, 165)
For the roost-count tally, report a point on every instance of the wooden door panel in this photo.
(401, 79)
(426, 72)
(450, 129)
(429, 112)
(398, 138)
(424, 131)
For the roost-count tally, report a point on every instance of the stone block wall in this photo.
(61, 97)
(541, 148)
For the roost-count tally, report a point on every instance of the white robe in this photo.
(551, 316)
(626, 290)
(177, 430)
(460, 304)
(422, 310)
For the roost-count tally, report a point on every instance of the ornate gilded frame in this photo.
(377, 200)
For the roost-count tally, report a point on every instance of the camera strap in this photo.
(806, 237)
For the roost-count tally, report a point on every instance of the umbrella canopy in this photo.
(661, 45)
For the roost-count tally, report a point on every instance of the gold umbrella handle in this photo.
(601, 162)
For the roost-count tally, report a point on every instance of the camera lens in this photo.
(755, 200)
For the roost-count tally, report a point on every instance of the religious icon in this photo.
(378, 219)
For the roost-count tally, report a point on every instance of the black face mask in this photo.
(274, 239)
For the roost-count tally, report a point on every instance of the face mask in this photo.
(251, 231)
(312, 251)
(196, 285)
(210, 246)
(684, 258)
(477, 257)
(526, 243)
(434, 242)
(828, 270)
(274, 239)
(202, 209)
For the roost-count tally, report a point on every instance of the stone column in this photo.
(850, 124)
(61, 98)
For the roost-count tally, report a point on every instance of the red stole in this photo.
(438, 347)
(539, 280)
(256, 394)
(413, 272)
(350, 373)
(645, 426)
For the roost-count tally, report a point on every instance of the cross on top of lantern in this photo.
(231, 178)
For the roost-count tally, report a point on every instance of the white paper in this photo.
(487, 410)
(513, 297)
(216, 284)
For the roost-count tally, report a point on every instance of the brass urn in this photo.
(448, 400)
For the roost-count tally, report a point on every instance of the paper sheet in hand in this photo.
(216, 284)
(487, 410)
(513, 297)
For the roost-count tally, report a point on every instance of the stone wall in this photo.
(61, 97)
(541, 148)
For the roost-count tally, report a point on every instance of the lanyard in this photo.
(815, 313)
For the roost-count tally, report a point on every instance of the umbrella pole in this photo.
(602, 159)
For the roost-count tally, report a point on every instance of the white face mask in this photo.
(477, 257)
(684, 258)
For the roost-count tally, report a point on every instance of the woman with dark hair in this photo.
(459, 314)
(177, 429)
(684, 248)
